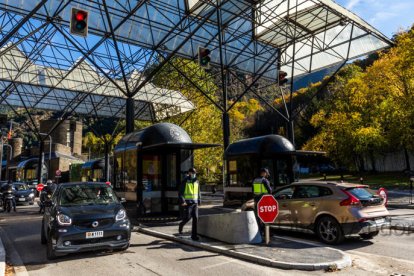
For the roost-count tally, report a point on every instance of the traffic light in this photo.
(282, 77)
(204, 57)
(79, 22)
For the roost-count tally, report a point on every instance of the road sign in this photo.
(267, 209)
(58, 173)
(40, 187)
(384, 194)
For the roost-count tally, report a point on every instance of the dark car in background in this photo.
(83, 217)
(33, 186)
(23, 194)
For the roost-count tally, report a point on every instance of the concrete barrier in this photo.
(235, 228)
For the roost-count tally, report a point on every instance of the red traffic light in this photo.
(81, 15)
(79, 22)
(282, 77)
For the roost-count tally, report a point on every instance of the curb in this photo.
(2, 259)
(346, 260)
(408, 228)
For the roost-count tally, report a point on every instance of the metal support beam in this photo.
(129, 115)
(22, 22)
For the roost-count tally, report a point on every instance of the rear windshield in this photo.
(87, 194)
(361, 193)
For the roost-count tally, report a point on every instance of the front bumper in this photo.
(78, 242)
(366, 227)
(24, 200)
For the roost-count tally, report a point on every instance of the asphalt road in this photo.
(148, 255)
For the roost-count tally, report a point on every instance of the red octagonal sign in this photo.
(267, 209)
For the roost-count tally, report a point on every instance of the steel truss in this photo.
(110, 72)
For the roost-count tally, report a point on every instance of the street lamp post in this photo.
(1, 156)
(50, 154)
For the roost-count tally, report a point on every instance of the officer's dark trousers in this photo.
(190, 212)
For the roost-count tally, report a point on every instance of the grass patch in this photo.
(375, 181)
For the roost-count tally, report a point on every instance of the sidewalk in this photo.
(281, 252)
(402, 219)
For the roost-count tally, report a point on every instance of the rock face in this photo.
(234, 228)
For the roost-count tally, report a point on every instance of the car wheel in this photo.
(50, 252)
(43, 239)
(369, 236)
(329, 230)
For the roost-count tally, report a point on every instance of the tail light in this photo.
(350, 201)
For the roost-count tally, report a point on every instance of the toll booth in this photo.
(149, 166)
(26, 170)
(244, 160)
(93, 170)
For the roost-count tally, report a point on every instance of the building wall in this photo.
(67, 129)
(389, 162)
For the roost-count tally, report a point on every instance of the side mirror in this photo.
(122, 199)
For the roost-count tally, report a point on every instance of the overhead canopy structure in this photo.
(82, 91)
(129, 41)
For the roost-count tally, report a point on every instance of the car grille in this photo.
(87, 224)
(93, 241)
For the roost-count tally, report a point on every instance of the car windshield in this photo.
(20, 187)
(361, 193)
(87, 194)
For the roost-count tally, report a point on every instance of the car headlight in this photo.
(64, 220)
(120, 215)
(31, 195)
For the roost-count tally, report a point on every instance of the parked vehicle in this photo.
(84, 216)
(23, 194)
(331, 210)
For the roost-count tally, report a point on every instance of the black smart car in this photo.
(82, 217)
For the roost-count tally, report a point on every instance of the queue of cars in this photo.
(22, 193)
(331, 210)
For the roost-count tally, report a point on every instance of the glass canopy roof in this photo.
(56, 70)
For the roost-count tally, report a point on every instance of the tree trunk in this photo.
(407, 160)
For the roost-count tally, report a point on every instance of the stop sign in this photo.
(384, 194)
(40, 187)
(267, 209)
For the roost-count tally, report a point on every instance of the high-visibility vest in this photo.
(191, 190)
(258, 187)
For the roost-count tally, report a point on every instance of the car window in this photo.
(361, 193)
(86, 194)
(309, 191)
(285, 193)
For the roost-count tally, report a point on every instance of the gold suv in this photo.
(331, 210)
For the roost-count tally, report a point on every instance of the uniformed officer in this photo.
(189, 197)
(261, 185)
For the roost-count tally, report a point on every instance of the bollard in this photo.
(411, 189)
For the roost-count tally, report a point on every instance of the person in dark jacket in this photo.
(189, 198)
(261, 185)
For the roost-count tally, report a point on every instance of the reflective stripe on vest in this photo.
(191, 190)
(258, 187)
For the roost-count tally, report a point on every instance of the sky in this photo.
(388, 16)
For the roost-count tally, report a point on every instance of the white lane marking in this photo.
(218, 264)
(380, 256)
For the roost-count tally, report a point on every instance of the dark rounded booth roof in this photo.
(264, 145)
(159, 135)
(94, 164)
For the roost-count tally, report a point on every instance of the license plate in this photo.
(93, 235)
(22, 199)
(379, 221)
